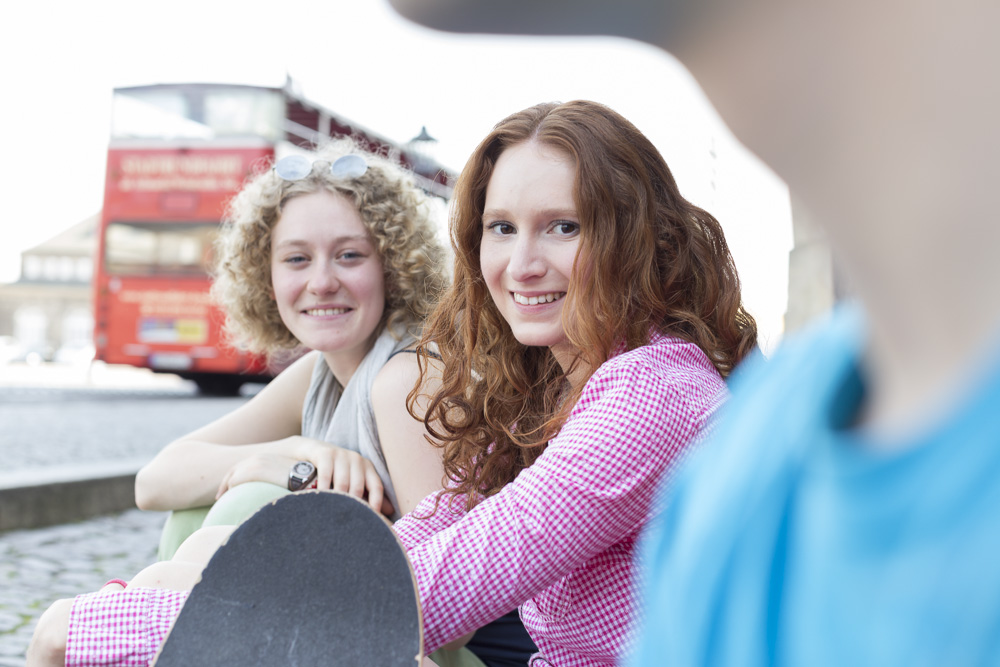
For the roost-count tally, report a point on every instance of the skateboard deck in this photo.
(314, 578)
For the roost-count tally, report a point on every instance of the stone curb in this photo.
(33, 498)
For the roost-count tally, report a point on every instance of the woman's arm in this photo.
(595, 482)
(187, 472)
(414, 463)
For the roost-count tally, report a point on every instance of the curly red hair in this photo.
(648, 261)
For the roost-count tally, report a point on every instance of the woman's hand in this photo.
(336, 468)
(260, 467)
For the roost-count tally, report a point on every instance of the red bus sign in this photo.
(162, 208)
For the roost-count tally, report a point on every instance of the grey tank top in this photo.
(343, 416)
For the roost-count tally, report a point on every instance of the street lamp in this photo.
(421, 148)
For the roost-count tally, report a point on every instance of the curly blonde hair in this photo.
(392, 208)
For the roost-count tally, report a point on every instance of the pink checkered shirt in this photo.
(122, 628)
(558, 541)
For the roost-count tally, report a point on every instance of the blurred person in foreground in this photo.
(847, 511)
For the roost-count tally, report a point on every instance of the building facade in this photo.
(46, 314)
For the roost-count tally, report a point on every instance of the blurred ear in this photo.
(638, 19)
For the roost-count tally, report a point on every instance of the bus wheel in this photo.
(218, 385)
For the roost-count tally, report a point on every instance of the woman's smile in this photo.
(326, 312)
(533, 300)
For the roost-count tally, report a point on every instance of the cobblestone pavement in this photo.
(44, 427)
(57, 416)
(40, 566)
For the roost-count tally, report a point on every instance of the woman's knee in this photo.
(241, 502)
(172, 575)
(202, 544)
(48, 644)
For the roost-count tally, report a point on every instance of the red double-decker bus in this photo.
(178, 153)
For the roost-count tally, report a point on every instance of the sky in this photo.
(60, 61)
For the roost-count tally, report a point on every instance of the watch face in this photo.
(303, 468)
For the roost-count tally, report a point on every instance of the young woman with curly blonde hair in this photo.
(341, 259)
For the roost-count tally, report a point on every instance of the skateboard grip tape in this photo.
(314, 578)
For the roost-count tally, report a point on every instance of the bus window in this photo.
(197, 113)
(235, 112)
(159, 249)
(155, 114)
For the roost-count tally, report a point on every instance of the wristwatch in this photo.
(301, 475)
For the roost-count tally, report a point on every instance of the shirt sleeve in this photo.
(591, 487)
(432, 515)
(121, 628)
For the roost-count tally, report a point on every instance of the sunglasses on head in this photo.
(297, 167)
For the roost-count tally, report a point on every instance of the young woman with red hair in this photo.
(583, 346)
(593, 315)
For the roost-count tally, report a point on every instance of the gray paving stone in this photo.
(9, 621)
(105, 436)
(44, 427)
(41, 566)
